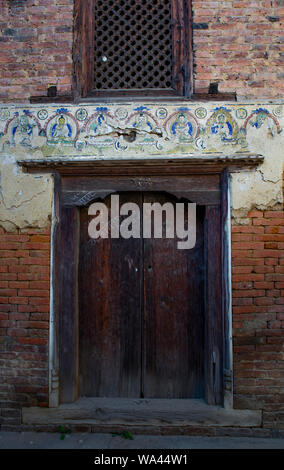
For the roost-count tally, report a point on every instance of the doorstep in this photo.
(165, 415)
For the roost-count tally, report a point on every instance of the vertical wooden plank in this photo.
(226, 290)
(188, 74)
(88, 47)
(110, 317)
(213, 315)
(178, 45)
(55, 304)
(77, 49)
(174, 314)
(69, 304)
(182, 47)
(83, 47)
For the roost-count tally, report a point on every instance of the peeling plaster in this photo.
(129, 130)
(262, 188)
(25, 200)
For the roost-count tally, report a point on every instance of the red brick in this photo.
(9, 246)
(255, 214)
(33, 293)
(274, 214)
(241, 237)
(18, 300)
(248, 277)
(18, 284)
(264, 285)
(34, 308)
(38, 300)
(35, 246)
(270, 221)
(29, 340)
(247, 246)
(264, 301)
(240, 261)
(4, 284)
(247, 229)
(40, 239)
(8, 292)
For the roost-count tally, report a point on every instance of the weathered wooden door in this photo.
(141, 312)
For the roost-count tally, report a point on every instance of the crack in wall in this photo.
(265, 179)
(25, 201)
(129, 134)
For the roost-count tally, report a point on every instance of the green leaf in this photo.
(124, 434)
(127, 435)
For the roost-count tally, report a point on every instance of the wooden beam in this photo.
(176, 165)
(52, 99)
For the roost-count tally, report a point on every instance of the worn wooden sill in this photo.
(168, 413)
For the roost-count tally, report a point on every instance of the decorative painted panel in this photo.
(128, 130)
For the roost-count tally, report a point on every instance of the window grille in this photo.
(133, 44)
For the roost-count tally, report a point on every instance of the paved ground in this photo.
(33, 440)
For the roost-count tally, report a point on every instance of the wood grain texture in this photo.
(109, 320)
(166, 357)
(174, 313)
(214, 310)
(161, 412)
(195, 165)
(68, 261)
(82, 190)
(83, 46)
(142, 183)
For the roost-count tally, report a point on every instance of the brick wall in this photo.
(35, 47)
(24, 315)
(258, 314)
(238, 43)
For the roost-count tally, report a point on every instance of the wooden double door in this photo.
(141, 311)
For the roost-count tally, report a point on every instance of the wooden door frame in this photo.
(72, 190)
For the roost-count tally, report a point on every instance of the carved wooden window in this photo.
(132, 48)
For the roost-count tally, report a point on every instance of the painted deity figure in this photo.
(259, 120)
(25, 129)
(101, 126)
(61, 131)
(142, 124)
(182, 128)
(222, 127)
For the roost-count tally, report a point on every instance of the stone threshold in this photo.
(166, 415)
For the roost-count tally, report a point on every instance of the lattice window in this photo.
(132, 48)
(133, 44)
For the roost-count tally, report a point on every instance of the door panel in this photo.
(141, 313)
(174, 313)
(109, 313)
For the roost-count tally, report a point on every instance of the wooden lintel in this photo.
(205, 96)
(175, 165)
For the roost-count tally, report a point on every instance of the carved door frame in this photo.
(75, 187)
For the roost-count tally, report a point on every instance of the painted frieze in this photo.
(129, 130)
